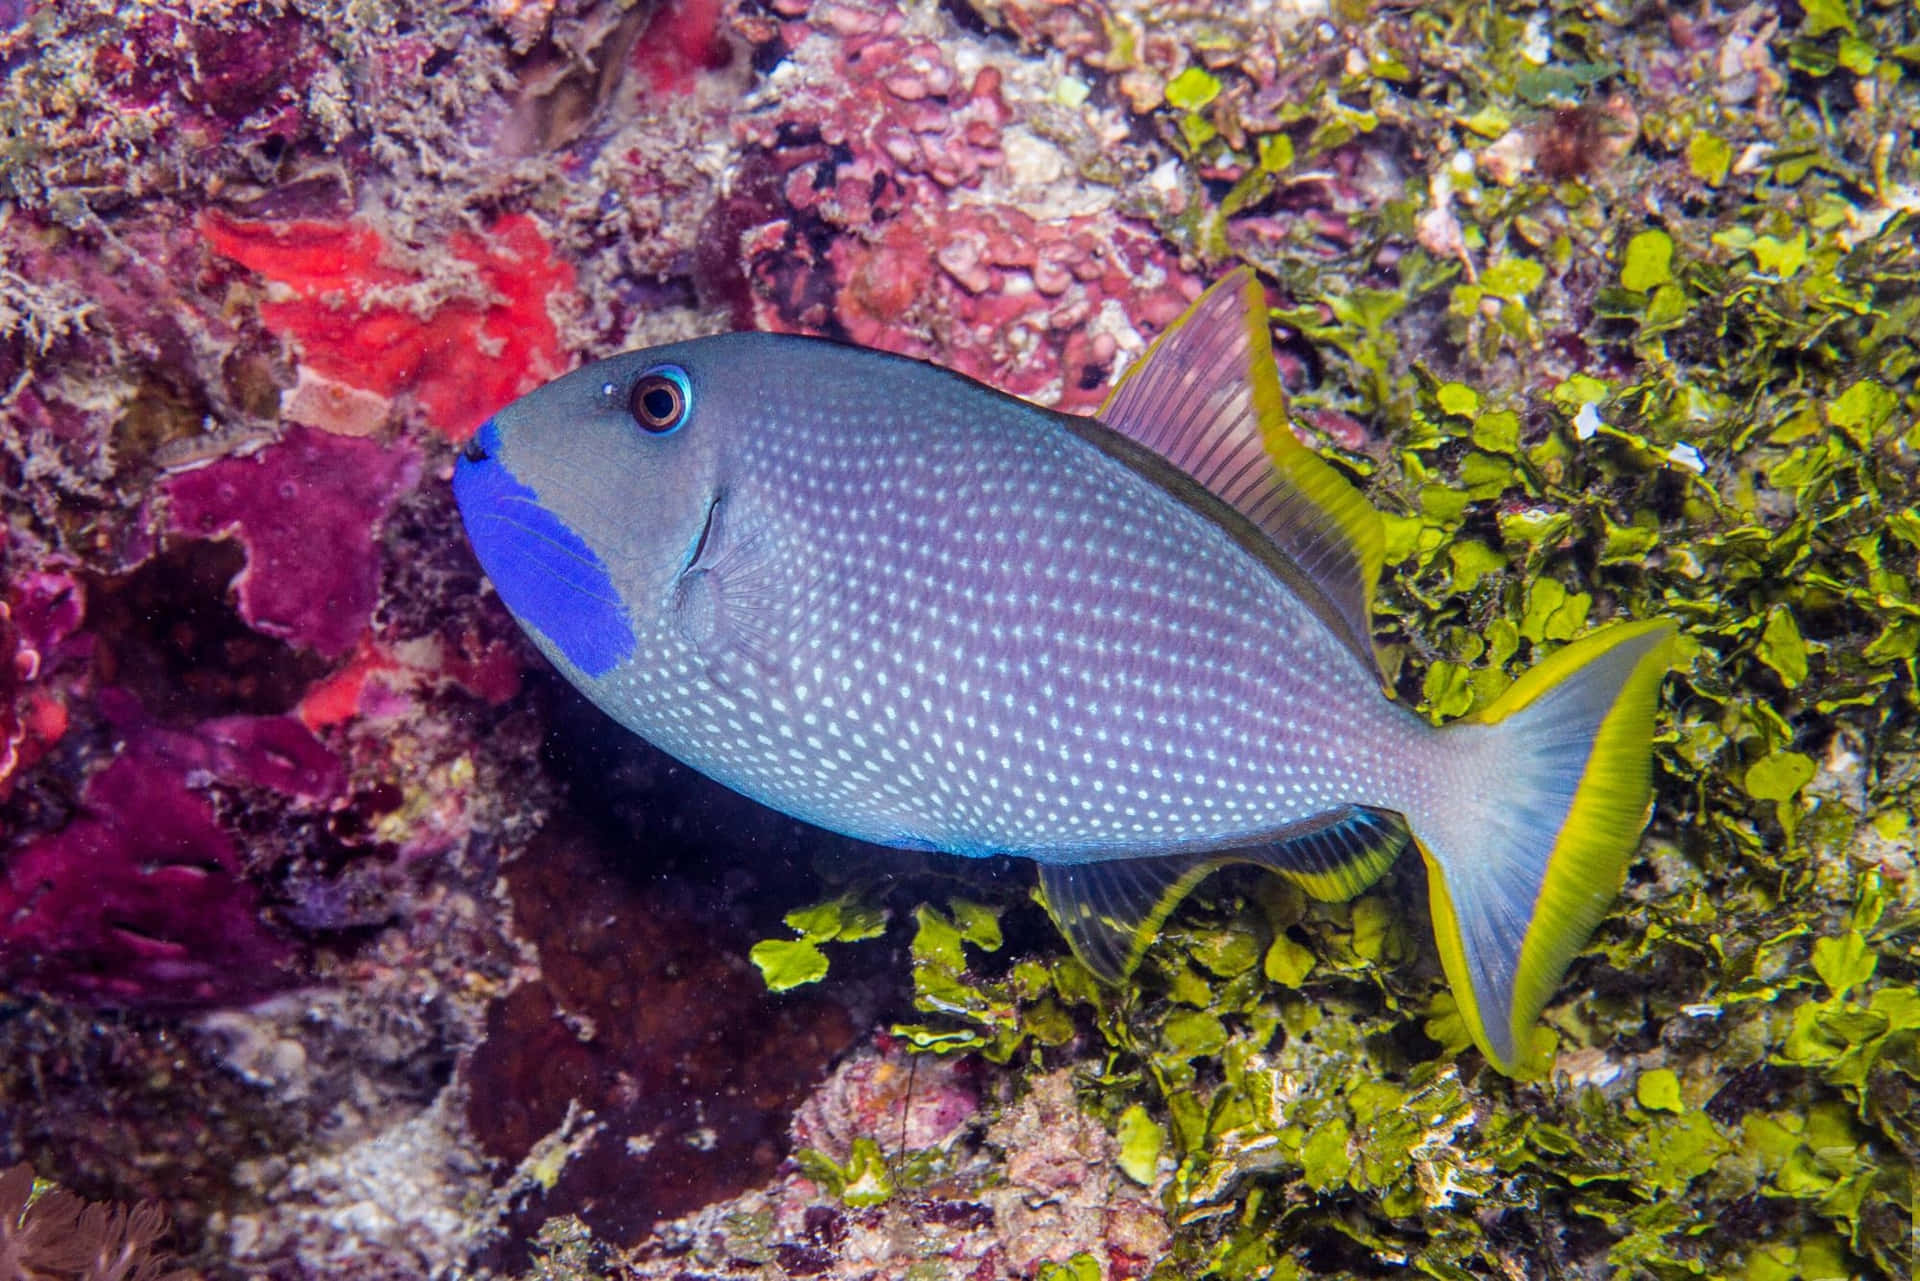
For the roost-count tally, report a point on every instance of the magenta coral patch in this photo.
(306, 510)
(274, 752)
(143, 899)
(140, 901)
(683, 40)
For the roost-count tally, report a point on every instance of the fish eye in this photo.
(660, 399)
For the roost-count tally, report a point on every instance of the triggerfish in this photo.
(891, 601)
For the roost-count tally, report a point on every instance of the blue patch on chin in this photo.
(548, 576)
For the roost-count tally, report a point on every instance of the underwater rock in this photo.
(394, 1203)
(897, 190)
(645, 1016)
(144, 897)
(884, 1094)
(39, 611)
(993, 1190)
(171, 637)
(244, 79)
(116, 106)
(682, 42)
(141, 900)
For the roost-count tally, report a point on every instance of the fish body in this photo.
(894, 602)
(980, 635)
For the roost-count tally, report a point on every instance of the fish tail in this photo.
(1522, 865)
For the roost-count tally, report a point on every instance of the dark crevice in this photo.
(171, 637)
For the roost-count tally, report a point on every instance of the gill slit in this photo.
(706, 533)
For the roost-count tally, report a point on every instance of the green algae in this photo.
(1142, 1141)
(791, 963)
(864, 1179)
(1081, 1267)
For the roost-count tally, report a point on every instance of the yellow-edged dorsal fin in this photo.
(1206, 398)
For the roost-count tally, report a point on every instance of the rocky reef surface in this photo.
(336, 925)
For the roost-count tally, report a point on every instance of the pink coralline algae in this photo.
(1023, 1199)
(882, 1094)
(379, 683)
(682, 41)
(40, 612)
(203, 85)
(306, 511)
(868, 209)
(143, 898)
(459, 358)
(274, 752)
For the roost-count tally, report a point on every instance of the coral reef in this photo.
(42, 608)
(645, 1016)
(331, 921)
(898, 187)
(899, 1175)
(138, 899)
(304, 509)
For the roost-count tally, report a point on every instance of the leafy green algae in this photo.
(1638, 331)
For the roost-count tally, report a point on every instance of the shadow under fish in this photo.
(891, 601)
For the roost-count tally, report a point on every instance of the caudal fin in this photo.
(1522, 868)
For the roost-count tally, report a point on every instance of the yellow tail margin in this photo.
(1519, 876)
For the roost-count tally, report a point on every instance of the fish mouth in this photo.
(481, 445)
(546, 573)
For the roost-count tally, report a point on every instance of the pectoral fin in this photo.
(730, 600)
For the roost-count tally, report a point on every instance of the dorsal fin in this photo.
(1207, 399)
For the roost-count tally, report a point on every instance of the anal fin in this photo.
(1339, 854)
(1110, 909)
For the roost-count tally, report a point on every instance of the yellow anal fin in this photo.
(1336, 857)
(1110, 909)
